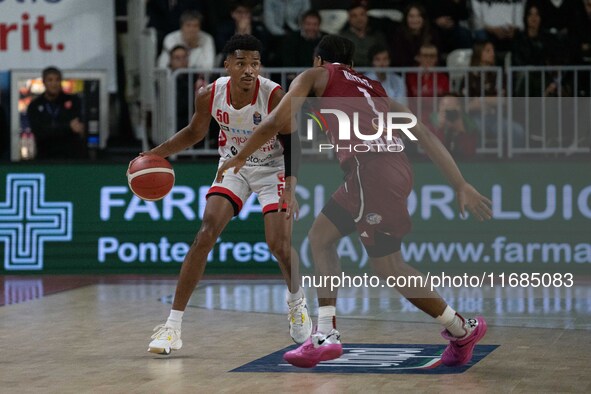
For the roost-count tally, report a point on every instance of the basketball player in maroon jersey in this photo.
(376, 184)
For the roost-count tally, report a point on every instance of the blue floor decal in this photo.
(371, 358)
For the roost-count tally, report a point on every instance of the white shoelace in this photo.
(162, 331)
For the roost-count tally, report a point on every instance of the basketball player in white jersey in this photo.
(238, 103)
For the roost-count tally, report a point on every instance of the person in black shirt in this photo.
(446, 16)
(54, 118)
(298, 47)
(241, 22)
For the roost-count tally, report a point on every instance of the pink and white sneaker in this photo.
(319, 347)
(459, 351)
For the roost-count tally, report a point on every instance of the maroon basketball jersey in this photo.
(352, 92)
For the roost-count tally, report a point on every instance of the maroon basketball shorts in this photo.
(373, 201)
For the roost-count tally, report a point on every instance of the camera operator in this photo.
(456, 130)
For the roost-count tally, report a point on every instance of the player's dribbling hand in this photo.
(235, 162)
(135, 158)
(476, 203)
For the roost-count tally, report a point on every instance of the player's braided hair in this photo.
(242, 42)
(336, 49)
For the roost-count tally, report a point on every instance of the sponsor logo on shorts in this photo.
(373, 218)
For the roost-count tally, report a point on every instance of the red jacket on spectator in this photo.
(430, 84)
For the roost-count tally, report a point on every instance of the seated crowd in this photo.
(498, 33)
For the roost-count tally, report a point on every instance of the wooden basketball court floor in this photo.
(90, 334)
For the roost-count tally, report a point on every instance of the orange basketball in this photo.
(150, 177)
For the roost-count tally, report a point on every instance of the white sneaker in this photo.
(165, 339)
(300, 324)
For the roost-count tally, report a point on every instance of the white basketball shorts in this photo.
(266, 181)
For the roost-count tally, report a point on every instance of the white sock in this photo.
(453, 322)
(291, 297)
(326, 319)
(175, 319)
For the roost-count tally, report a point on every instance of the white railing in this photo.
(553, 107)
(505, 122)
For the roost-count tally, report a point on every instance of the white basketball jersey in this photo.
(236, 125)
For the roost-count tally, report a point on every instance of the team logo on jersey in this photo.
(373, 218)
(256, 118)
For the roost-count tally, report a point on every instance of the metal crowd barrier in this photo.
(553, 106)
(504, 122)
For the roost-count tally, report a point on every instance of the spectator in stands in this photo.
(298, 47)
(56, 121)
(241, 23)
(217, 12)
(393, 84)
(427, 83)
(567, 21)
(454, 127)
(530, 48)
(563, 18)
(497, 21)
(482, 83)
(200, 44)
(445, 17)
(281, 17)
(179, 59)
(414, 31)
(361, 33)
(164, 15)
(484, 96)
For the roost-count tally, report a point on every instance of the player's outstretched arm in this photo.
(468, 197)
(278, 120)
(292, 151)
(194, 132)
